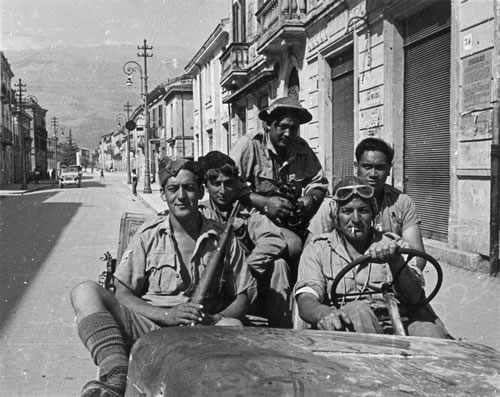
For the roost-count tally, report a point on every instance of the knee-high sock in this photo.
(103, 338)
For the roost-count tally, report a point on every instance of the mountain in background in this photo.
(85, 87)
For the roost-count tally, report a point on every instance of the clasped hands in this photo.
(280, 207)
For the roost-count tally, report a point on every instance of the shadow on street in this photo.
(26, 241)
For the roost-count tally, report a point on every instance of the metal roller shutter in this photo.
(343, 115)
(427, 119)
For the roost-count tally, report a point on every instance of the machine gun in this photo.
(208, 290)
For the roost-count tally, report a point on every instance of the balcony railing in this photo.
(234, 64)
(6, 136)
(278, 20)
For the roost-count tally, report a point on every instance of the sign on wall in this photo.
(477, 72)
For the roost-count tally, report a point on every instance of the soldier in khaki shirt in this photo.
(158, 272)
(286, 180)
(261, 239)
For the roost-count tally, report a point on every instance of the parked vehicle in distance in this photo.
(70, 175)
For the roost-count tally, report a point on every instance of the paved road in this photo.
(50, 241)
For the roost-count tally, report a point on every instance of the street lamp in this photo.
(128, 125)
(129, 68)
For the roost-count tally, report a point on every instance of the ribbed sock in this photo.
(103, 338)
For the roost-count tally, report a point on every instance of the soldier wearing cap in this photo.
(353, 236)
(155, 278)
(260, 238)
(276, 159)
(397, 214)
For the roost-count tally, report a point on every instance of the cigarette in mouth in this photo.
(352, 229)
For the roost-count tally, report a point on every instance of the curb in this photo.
(9, 193)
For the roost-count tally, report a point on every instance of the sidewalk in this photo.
(14, 189)
(152, 200)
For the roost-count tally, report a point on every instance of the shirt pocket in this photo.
(163, 276)
(264, 179)
(346, 285)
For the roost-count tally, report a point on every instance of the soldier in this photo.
(397, 212)
(261, 239)
(158, 272)
(353, 236)
(286, 179)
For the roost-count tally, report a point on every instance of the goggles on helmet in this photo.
(346, 192)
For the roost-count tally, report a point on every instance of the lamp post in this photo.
(129, 68)
(128, 107)
(55, 125)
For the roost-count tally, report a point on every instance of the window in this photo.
(239, 21)
(160, 116)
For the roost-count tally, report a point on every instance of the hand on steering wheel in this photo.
(366, 258)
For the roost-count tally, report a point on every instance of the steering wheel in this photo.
(366, 258)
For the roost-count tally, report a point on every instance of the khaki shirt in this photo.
(259, 166)
(151, 265)
(326, 256)
(262, 240)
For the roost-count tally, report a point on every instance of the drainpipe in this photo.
(229, 128)
(182, 121)
(495, 158)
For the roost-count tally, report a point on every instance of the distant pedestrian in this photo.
(134, 182)
(37, 175)
(102, 174)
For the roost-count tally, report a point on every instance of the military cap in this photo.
(283, 106)
(215, 162)
(170, 166)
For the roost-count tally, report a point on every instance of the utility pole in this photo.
(22, 162)
(128, 107)
(147, 174)
(54, 122)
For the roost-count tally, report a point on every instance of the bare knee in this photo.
(86, 296)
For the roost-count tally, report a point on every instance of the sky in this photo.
(42, 24)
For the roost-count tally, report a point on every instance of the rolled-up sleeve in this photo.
(244, 157)
(317, 181)
(310, 272)
(132, 268)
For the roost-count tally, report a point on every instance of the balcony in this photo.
(281, 24)
(6, 137)
(234, 65)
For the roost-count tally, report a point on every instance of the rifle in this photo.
(205, 292)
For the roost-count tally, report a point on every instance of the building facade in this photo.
(177, 133)
(211, 127)
(38, 153)
(422, 75)
(7, 157)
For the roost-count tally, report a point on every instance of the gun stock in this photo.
(207, 290)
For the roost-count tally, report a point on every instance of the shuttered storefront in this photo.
(342, 68)
(427, 117)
